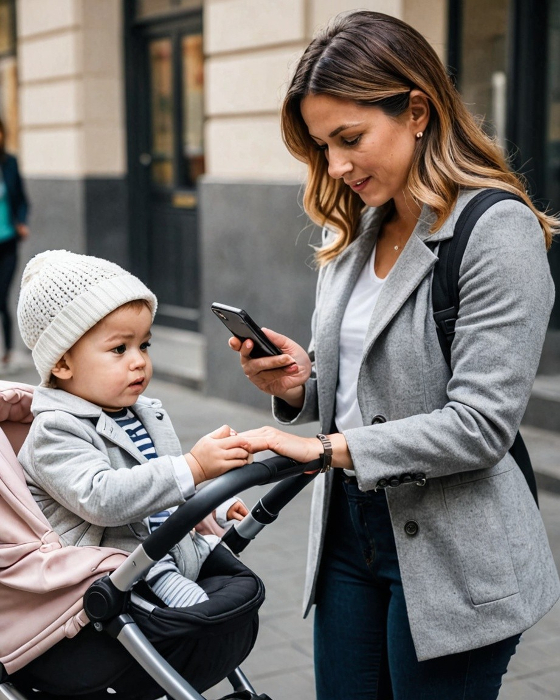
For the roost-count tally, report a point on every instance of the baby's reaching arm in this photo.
(78, 474)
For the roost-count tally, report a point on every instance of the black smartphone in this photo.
(238, 322)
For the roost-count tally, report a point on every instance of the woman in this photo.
(13, 227)
(422, 589)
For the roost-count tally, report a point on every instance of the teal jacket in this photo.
(17, 198)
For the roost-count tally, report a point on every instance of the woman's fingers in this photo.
(281, 341)
(269, 370)
(247, 346)
(232, 442)
(259, 432)
(277, 374)
(258, 444)
(234, 343)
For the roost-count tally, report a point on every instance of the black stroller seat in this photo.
(203, 643)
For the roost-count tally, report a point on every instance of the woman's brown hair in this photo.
(374, 59)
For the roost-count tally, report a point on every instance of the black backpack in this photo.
(445, 297)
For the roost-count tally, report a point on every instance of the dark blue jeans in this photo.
(363, 644)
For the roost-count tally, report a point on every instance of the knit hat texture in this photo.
(63, 295)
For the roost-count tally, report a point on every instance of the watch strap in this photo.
(326, 457)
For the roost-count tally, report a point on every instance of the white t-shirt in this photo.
(353, 331)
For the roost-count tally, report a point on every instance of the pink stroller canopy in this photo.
(41, 582)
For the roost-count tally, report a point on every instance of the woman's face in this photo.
(369, 150)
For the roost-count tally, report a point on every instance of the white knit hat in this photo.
(63, 295)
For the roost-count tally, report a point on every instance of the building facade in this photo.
(148, 133)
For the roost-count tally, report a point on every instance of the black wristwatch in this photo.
(326, 457)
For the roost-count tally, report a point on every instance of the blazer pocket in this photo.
(481, 539)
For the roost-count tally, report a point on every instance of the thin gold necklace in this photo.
(395, 247)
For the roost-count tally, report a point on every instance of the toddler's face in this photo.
(110, 366)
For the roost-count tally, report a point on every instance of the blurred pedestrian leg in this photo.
(8, 258)
(13, 227)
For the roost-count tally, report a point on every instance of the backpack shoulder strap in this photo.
(445, 297)
(445, 282)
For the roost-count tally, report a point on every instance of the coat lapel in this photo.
(415, 262)
(156, 422)
(110, 430)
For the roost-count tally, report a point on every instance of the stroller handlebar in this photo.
(204, 501)
(266, 510)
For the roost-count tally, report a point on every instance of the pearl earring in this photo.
(419, 134)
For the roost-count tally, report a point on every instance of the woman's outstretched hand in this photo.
(302, 449)
(280, 375)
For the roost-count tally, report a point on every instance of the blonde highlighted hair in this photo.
(374, 59)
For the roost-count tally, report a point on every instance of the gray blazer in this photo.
(479, 568)
(92, 483)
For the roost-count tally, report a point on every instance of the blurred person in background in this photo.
(13, 227)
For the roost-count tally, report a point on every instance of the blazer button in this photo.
(159, 416)
(378, 419)
(382, 484)
(394, 482)
(411, 528)
(406, 478)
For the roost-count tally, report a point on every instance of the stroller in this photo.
(80, 622)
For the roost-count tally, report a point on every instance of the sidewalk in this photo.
(281, 662)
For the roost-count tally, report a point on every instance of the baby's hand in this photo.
(237, 511)
(217, 453)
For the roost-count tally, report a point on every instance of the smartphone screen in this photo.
(242, 326)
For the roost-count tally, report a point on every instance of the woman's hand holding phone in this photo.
(279, 375)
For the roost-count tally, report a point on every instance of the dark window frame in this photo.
(527, 76)
(527, 111)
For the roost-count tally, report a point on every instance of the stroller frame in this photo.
(104, 599)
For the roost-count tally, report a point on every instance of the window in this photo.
(8, 73)
(484, 59)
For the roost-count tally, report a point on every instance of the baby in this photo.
(102, 461)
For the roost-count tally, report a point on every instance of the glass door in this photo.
(193, 106)
(162, 147)
(167, 157)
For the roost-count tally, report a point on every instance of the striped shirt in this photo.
(164, 577)
(136, 431)
(141, 439)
